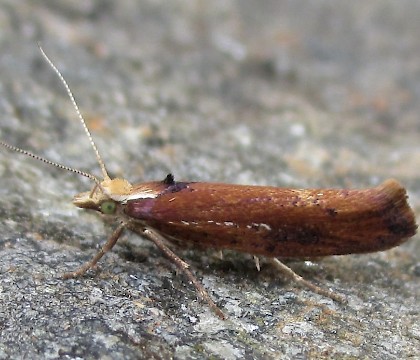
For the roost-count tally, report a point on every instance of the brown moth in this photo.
(260, 220)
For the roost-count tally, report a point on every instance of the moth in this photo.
(273, 222)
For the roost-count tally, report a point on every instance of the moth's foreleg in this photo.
(107, 247)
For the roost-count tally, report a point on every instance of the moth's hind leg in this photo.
(284, 269)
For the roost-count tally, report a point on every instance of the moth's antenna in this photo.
(40, 158)
(79, 114)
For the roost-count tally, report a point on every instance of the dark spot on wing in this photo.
(332, 212)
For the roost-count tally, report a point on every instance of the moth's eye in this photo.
(108, 207)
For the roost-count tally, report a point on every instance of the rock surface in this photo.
(296, 94)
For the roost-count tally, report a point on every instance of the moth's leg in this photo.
(305, 283)
(93, 190)
(107, 247)
(159, 241)
(257, 262)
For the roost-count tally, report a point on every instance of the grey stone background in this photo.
(287, 93)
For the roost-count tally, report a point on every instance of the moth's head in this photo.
(104, 197)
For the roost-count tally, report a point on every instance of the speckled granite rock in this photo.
(281, 93)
